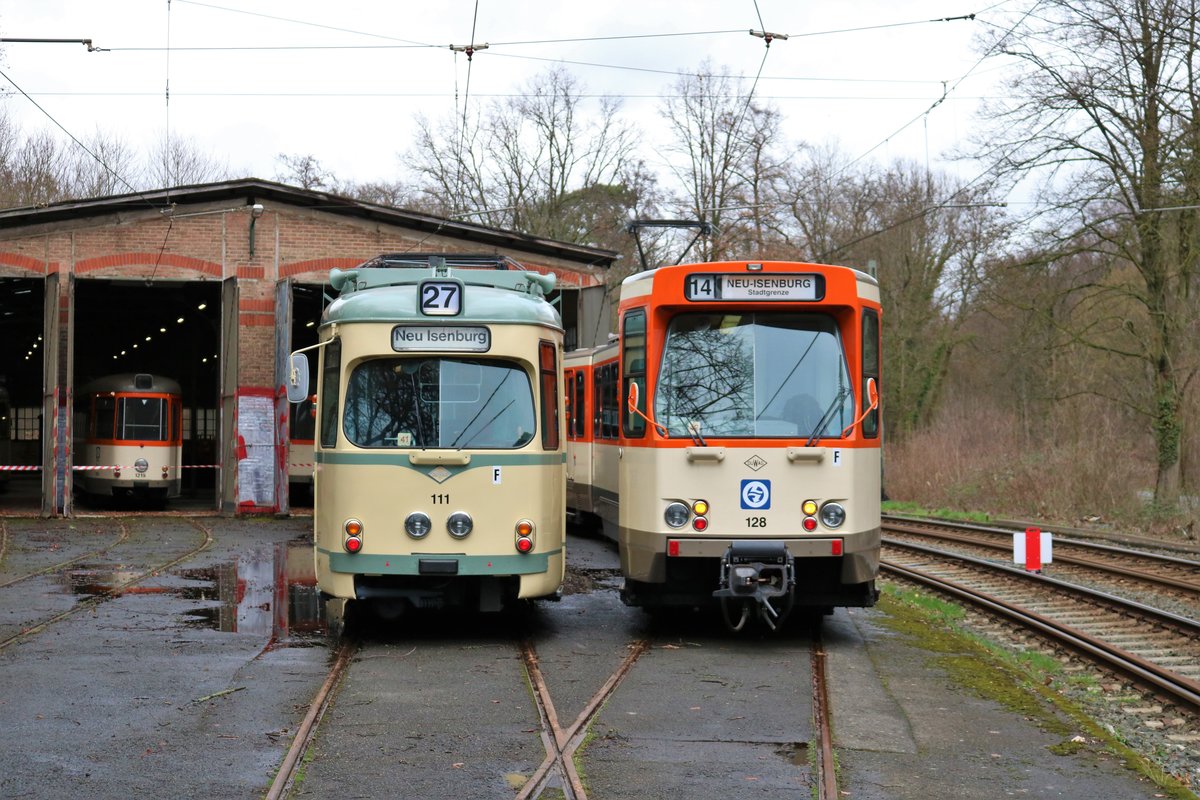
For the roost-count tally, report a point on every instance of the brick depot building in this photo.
(211, 286)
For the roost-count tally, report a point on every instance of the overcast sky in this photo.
(250, 79)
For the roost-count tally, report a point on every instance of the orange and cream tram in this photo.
(133, 439)
(729, 439)
(439, 476)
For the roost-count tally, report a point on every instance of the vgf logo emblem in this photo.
(756, 494)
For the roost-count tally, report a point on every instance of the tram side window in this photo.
(104, 416)
(597, 402)
(608, 401)
(332, 368)
(569, 401)
(633, 343)
(604, 402)
(580, 407)
(870, 369)
(548, 365)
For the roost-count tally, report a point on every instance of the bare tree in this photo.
(723, 145)
(304, 171)
(827, 205)
(39, 170)
(178, 162)
(105, 165)
(1105, 113)
(525, 162)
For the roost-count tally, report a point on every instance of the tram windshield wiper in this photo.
(694, 419)
(828, 415)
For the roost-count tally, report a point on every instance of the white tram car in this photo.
(133, 441)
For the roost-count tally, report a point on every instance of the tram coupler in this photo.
(759, 571)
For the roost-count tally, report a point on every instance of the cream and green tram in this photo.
(439, 471)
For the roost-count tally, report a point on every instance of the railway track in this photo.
(1158, 649)
(129, 579)
(556, 775)
(121, 536)
(1123, 568)
(561, 744)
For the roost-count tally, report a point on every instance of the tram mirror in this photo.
(872, 392)
(297, 383)
(633, 394)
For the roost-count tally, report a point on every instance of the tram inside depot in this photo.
(170, 329)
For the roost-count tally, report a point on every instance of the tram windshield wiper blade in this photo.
(828, 415)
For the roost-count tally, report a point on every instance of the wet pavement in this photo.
(191, 681)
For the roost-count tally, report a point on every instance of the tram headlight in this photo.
(676, 515)
(832, 515)
(459, 524)
(418, 525)
(141, 465)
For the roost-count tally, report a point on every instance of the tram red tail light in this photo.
(116, 473)
(353, 529)
(524, 536)
(700, 524)
(810, 524)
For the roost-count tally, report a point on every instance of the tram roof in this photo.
(495, 289)
(741, 265)
(132, 382)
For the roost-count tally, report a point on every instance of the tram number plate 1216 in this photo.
(770, 286)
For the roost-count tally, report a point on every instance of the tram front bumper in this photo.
(644, 556)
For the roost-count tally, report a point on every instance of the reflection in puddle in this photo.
(270, 591)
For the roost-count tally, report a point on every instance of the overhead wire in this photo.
(79, 143)
(462, 131)
(409, 43)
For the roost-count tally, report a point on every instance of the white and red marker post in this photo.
(1034, 548)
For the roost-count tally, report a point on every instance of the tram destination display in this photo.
(754, 287)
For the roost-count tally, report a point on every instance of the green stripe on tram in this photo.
(478, 461)
(360, 563)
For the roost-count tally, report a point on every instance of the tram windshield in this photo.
(439, 402)
(758, 374)
(138, 418)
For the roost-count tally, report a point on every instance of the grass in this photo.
(1022, 682)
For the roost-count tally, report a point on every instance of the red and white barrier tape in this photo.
(8, 468)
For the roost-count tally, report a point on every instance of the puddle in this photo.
(270, 591)
(796, 753)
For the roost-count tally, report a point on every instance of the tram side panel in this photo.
(592, 451)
